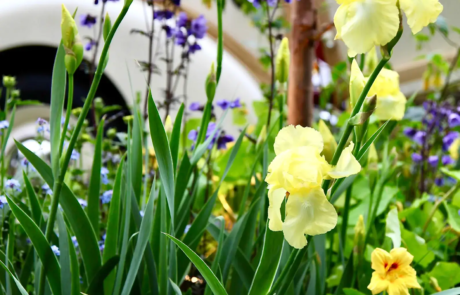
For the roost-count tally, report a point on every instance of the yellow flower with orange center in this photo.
(392, 272)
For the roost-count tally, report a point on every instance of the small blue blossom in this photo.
(141, 213)
(4, 124)
(90, 44)
(13, 184)
(106, 197)
(26, 164)
(182, 20)
(448, 140)
(223, 140)
(433, 161)
(101, 246)
(196, 106)
(225, 104)
(74, 241)
(46, 189)
(75, 155)
(56, 250)
(419, 137)
(410, 132)
(439, 181)
(181, 37)
(87, 20)
(187, 228)
(447, 160)
(3, 201)
(162, 14)
(42, 125)
(82, 202)
(194, 48)
(104, 175)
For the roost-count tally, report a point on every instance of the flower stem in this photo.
(356, 109)
(67, 114)
(449, 194)
(59, 179)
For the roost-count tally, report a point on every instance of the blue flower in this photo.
(417, 158)
(196, 106)
(141, 213)
(225, 104)
(106, 197)
(13, 184)
(26, 164)
(162, 14)
(433, 161)
(87, 20)
(89, 45)
(82, 202)
(46, 189)
(454, 120)
(235, 104)
(101, 246)
(198, 27)
(42, 125)
(194, 48)
(75, 155)
(4, 124)
(448, 140)
(104, 175)
(193, 135)
(447, 160)
(56, 250)
(410, 132)
(439, 181)
(181, 38)
(223, 140)
(182, 20)
(3, 201)
(169, 31)
(74, 241)
(419, 137)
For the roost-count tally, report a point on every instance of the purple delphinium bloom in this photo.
(106, 196)
(87, 20)
(448, 140)
(439, 181)
(417, 158)
(454, 120)
(235, 104)
(447, 160)
(13, 184)
(223, 140)
(410, 132)
(3, 201)
(182, 20)
(433, 160)
(181, 38)
(196, 106)
(55, 250)
(163, 14)
(4, 124)
(89, 45)
(420, 137)
(46, 189)
(223, 104)
(82, 202)
(194, 48)
(198, 27)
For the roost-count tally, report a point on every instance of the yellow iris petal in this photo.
(347, 164)
(275, 199)
(366, 23)
(296, 136)
(420, 13)
(330, 145)
(308, 213)
(391, 107)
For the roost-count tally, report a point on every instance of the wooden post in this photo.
(300, 94)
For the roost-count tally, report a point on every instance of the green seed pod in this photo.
(282, 61)
(211, 84)
(98, 103)
(111, 133)
(107, 26)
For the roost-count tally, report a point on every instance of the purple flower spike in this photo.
(182, 19)
(447, 160)
(181, 38)
(448, 140)
(433, 161)
(196, 106)
(192, 135)
(162, 14)
(417, 158)
(87, 20)
(236, 104)
(198, 27)
(90, 45)
(454, 120)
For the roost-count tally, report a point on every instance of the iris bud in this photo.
(282, 61)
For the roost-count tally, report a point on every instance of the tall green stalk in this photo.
(64, 163)
(67, 114)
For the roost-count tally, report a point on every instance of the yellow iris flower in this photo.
(391, 102)
(392, 272)
(362, 24)
(297, 172)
